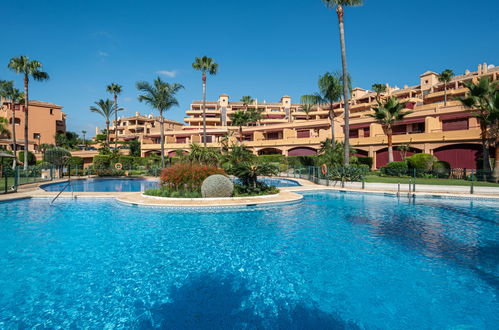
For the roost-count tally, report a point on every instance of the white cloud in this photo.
(101, 53)
(171, 74)
(127, 99)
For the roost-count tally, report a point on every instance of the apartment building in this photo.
(45, 120)
(448, 131)
(137, 126)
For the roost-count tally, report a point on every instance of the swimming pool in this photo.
(131, 185)
(333, 260)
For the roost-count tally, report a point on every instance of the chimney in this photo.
(485, 69)
(467, 72)
(479, 69)
(137, 114)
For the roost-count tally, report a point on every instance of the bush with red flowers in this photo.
(187, 177)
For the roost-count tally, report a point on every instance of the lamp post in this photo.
(84, 141)
(38, 136)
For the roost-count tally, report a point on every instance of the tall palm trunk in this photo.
(204, 109)
(331, 118)
(14, 146)
(445, 94)
(485, 149)
(389, 135)
(162, 138)
(115, 121)
(26, 133)
(240, 134)
(346, 112)
(107, 132)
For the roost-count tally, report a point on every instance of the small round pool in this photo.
(135, 185)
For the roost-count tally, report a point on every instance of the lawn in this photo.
(442, 182)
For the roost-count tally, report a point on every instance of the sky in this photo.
(264, 48)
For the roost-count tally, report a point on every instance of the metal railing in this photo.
(338, 176)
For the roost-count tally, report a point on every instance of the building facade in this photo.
(45, 120)
(448, 131)
(137, 126)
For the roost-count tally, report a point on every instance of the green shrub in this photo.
(421, 162)
(56, 156)
(137, 172)
(102, 161)
(365, 161)
(348, 173)
(126, 161)
(76, 161)
(441, 169)
(166, 192)
(31, 158)
(139, 161)
(395, 169)
(217, 185)
(272, 158)
(302, 161)
(259, 189)
(109, 172)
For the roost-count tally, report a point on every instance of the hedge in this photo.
(395, 168)
(441, 169)
(421, 162)
(302, 161)
(365, 161)
(272, 158)
(76, 161)
(102, 161)
(31, 158)
(56, 156)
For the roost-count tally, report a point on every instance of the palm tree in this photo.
(15, 97)
(378, 88)
(339, 4)
(247, 100)
(205, 65)
(445, 77)
(241, 118)
(480, 97)
(308, 102)
(161, 96)
(387, 114)
(330, 90)
(115, 89)
(106, 109)
(4, 123)
(27, 68)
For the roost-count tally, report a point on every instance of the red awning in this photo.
(410, 121)
(358, 126)
(461, 115)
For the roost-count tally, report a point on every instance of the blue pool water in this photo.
(129, 185)
(333, 260)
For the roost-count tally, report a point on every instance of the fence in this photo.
(340, 175)
(11, 179)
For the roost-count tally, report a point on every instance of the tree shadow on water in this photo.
(208, 301)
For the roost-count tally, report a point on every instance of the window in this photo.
(366, 131)
(455, 124)
(51, 111)
(354, 133)
(303, 134)
(273, 136)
